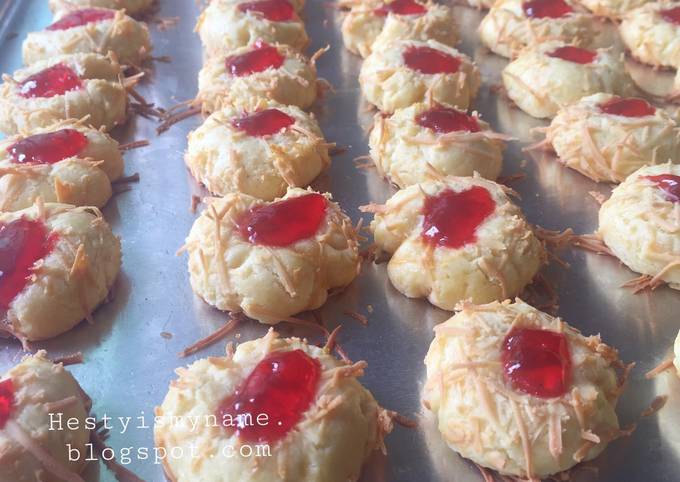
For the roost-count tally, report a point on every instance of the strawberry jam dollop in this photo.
(282, 387)
(261, 58)
(443, 120)
(23, 242)
(55, 80)
(451, 219)
(285, 222)
(671, 15)
(272, 10)
(263, 123)
(537, 362)
(81, 17)
(546, 8)
(6, 401)
(401, 7)
(430, 61)
(669, 184)
(627, 107)
(576, 55)
(48, 148)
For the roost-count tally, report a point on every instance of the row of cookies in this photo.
(293, 403)
(270, 249)
(649, 30)
(59, 256)
(602, 131)
(58, 164)
(266, 246)
(507, 384)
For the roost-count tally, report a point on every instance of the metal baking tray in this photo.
(129, 363)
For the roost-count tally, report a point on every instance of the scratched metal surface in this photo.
(129, 365)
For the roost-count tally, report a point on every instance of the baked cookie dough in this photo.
(131, 7)
(329, 426)
(32, 394)
(90, 30)
(456, 239)
(63, 262)
(69, 162)
(652, 33)
(413, 143)
(520, 392)
(273, 72)
(550, 76)
(606, 137)
(260, 151)
(640, 222)
(64, 87)
(512, 25)
(226, 25)
(271, 260)
(373, 24)
(412, 71)
(612, 9)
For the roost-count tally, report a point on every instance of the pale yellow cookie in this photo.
(595, 137)
(288, 78)
(423, 140)
(131, 7)
(412, 71)
(35, 439)
(76, 262)
(543, 79)
(94, 90)
(339, 424)
(127, 38)
(512, 25)
(68, 162)
(373, 25)
(612, 9)
(652, 33)
(226, 25)
(640, 222)
(456, 239)
(271, 260)
(493, 410)
(259, 151)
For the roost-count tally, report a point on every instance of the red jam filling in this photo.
(430, 61)
(48, 148)
(264, 123)
(81, 17)
(451, 218)
(537, 362)
(546, 9)
(55, 80)
(6, 401)
(627, 107)
(401, 7)
(671, 15)
(669, 185)
(574, 54)
(23, 242)
(261, 58)
(272, 10)
(284, 222)
(443, 120)
(282, 387)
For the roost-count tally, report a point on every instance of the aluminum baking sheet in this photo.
(129, 364)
